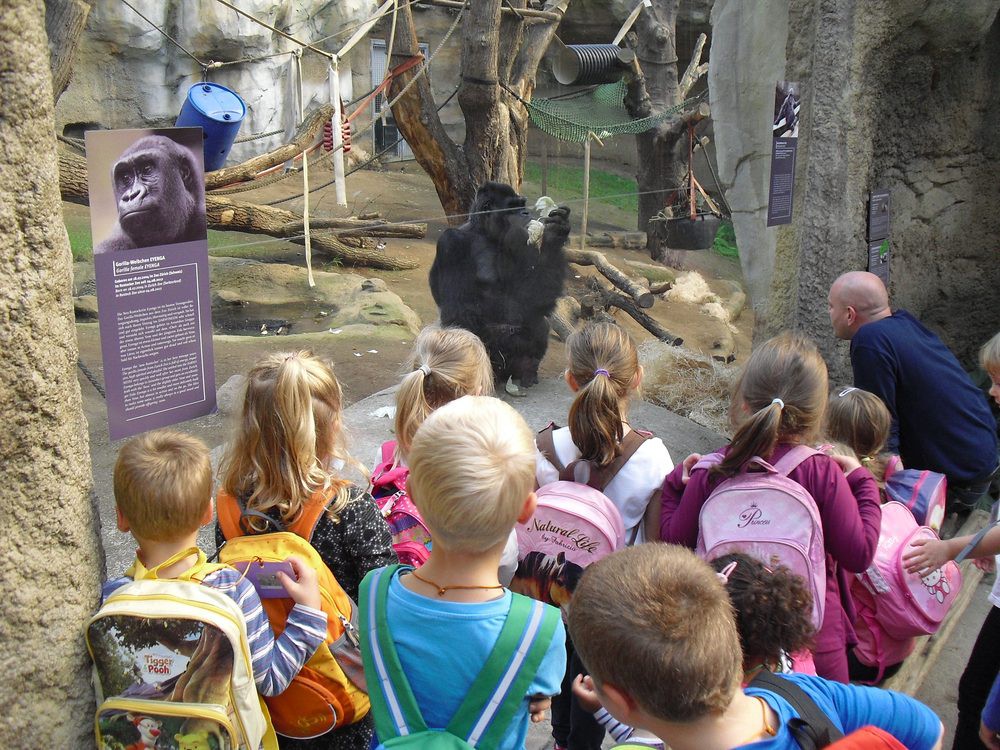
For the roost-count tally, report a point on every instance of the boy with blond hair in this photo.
(655, 628)
(471, 654)
(163, 493)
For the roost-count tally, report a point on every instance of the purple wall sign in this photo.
(147, 204)
(785, 140)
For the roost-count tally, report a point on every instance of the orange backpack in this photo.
(330, 691)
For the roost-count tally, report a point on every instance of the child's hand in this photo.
(986, 564)
(926, 555)
(688, 464)
(988, 737)
(847, 463)
(537, 706)
(583, 689)
(305, 590)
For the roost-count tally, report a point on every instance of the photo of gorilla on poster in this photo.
(153, 189)
(147, 216)
(787, 103)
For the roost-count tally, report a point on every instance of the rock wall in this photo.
(50, 563)
(899, 95)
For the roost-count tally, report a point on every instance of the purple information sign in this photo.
(785, 139)
(151, 268)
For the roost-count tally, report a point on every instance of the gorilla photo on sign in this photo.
(159, 193)
(490, 278)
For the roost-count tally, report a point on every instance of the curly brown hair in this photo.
(773, 608)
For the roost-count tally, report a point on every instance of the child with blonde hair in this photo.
(163, 495)
(446, 364)
(978, 722)
(655, 627)
(859, 420)
(778, 404)
(282, 463)
(603, 372)
(446, 633)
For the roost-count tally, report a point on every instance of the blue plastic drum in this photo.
(219, 112)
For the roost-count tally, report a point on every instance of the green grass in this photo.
(79, 239)
(566, 183)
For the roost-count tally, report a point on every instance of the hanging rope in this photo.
(204, 66)
(279, 32)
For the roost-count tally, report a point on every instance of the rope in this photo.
(91, 377)
(289, 37)
(181, 47)
(257, 136)
(72, 142)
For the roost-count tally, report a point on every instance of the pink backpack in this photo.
(574, 525)
(410, 538)
(906, 605)
(768, 516)
(875, 647)
(923, 492)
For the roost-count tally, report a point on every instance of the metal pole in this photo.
(586, 192)
(545, 164)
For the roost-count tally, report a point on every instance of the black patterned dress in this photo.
(359, 542)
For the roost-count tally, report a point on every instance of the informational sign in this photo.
(878, 215)
(147, 208)
(878, 259)
(785, 141)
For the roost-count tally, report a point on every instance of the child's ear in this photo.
(571, 382)
(529, 508)
(121, 521)
(207, 518)
(637, 380)
(619, 704)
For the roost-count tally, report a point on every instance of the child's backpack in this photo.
(875, 648)
(171, 658)
(906, 605)
(492, 701)
(574, 524)
(329, 692)
(768, 516)
(868, 738)
(923, 492)
(410, 537)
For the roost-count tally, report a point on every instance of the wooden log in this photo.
(527, 13)
(613, 298)
(352, 227)
(564, 317)
(642, 296)
(303, 139)
(920, 663)
(654, 272)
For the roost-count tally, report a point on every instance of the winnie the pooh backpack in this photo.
(329, 692)
(172, 665)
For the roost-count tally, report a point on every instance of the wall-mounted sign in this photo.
(147, 215)
(878, 215)
(785, 139)
(878, 259)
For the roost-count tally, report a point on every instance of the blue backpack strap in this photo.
(499, 689)
(394, 706)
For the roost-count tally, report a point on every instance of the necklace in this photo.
(442, 589)
(768, 730)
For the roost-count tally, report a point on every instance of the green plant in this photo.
(725, 241)
(80, 242)
(566, 183)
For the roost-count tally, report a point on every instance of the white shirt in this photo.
(631, 488)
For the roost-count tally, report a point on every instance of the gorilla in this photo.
(489, 279)
(160, 196)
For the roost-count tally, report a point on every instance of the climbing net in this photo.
(597, 112)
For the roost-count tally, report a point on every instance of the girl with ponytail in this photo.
(778, 403)
(284, 459)
(604, 373)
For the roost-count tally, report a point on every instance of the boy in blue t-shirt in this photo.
(655, 628)
(472, 474)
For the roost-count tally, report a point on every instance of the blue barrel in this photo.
(219, 112)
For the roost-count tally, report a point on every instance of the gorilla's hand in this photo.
(557, 225)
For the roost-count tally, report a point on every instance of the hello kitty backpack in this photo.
(764, 514)
(905, 605)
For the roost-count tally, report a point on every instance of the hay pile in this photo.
(689, 384)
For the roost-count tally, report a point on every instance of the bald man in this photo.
(940, 419)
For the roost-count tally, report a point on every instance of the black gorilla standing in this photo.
(160, 196)
(489, 278)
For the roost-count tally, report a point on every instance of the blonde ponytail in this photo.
(604, 363)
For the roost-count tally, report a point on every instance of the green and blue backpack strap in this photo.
(394, 707)
(497, 693)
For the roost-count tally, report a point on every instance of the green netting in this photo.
(600, 111)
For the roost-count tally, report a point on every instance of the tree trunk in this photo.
(51, 563)
(65, 21)
(500, 55)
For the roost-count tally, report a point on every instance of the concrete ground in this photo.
(369, 425)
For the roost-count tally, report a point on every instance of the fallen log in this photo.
(614, 298)
(642, 297)
(353, 227)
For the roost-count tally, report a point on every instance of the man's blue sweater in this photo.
(940, 420)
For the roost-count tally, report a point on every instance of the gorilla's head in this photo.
(495, 207)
